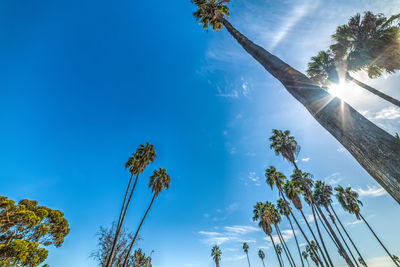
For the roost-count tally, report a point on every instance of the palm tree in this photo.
(159, 181)
(305, 256)
(311, 251)
(350, 203)
(285, 209)
(279, 251)
(321, 197)
(246, 250)
(397, 136)
(136, 163)
(372, 147)
(292, 192)
(216, 255)
(304, 182)
(261, 254)
(261, 213)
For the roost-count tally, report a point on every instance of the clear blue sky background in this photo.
(82, 83)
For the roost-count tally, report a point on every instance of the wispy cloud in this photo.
(390, 113)
(341, 149)
(254, 178)
(333, 179)
(371, 191)
(305, 159)
(286, 234)
(235, 233)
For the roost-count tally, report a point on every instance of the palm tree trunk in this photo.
(263, 262)
(376, 150)
(277, 254)
(285, 247)
(121, 219)
(295, 238)
(327, 231)
(347, 234)
(320, 235)
(247, 254)
(340, 233)
(305, 237)
(373, 90)
(308, 263)
(316, 240)
(217, 263)
(137, 232)
(380, 242)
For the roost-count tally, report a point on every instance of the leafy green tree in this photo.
(216, 255)
(261, 254)
(350, 203)
(261, 213)
(246, 250)
(136, 164)
(159, 181)
(363, 139)
(25, 229)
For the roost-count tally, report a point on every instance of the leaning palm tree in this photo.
(246, 250)
(350, 203)
(376, 150)
(305, 256)
(285, 210)
(261, 214)
(279, 251)
(323, 197)
(313, 255)
(136, 164)
(261, 254)
(216, 255)
(292, 192)
(159, 181)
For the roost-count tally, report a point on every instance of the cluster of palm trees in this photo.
(216, 254)
(369, 43)
(318, 195)
(159, 180)
(375, 51)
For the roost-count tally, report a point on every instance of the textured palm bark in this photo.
(373, 90)
(377, 151)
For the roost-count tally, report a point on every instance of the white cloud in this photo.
(305, 159)
(341, 149)
(310, 218)
(390, 113)
(286, 234)
(206, 215)
(371, 191)
(333, 179)
(241, 229)
(254, 178)
(235, 233)
(353, 223)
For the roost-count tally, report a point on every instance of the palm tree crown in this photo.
(261, 254)
(349, 200)
(159, 180)
(274, 177)
(209, 12)
(285, 145)
(322, 194)
(283, 207)
(216, 253)
(292, 192)
(141, 158)
(245, 247)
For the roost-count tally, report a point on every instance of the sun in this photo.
(343, 90)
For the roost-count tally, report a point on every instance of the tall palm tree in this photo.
(350, 203)
(159, 181)
(372, 147)
(305, 256)
(285, 210)
(261, 254)
(279, 251)
(311, 252)
(136, 164)
(304, 182)
(246, 250)
(261, 213)
(216, 255)
(323, 197)
(293, 192)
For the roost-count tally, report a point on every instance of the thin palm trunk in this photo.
(285, 247)
(121, 218)
(340, 233)
(373, 90)
(137, 232)
(263, 262)
(247, 254)
(306, 238)
(277, 254)
(376, 150)
(217, 262)
(315, 238)
(327, 231)
(347, 234)
(308, 263)
(320, 235)
(344, 252)
(297, 242)
(377, 238)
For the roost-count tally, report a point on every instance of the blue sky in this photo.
(84, 82)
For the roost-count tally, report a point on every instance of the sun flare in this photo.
(343, 90)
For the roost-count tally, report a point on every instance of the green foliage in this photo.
(144, 155)
(283, 207)
(397, 136)
(285, 145)
(25, 227)
(216, 253)
(322, 194)
(349, 200)
(159, 180)
(245, 247)
(211, 12)
(322, 69)
(274, 177)
(261, 254)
